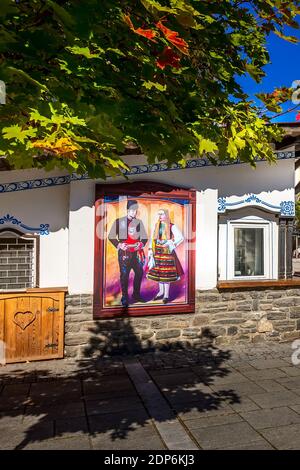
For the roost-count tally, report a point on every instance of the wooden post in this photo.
(281, 249)
(289, 248)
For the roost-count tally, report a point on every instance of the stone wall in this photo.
(221, 317)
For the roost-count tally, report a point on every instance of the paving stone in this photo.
(276, 399)
(10, 419)
(263, 364)
(70, 426)
(241, 388)
(39, 432)
(61, 390)
(271, 386)
(241, 366)
(131, 419)
(11, 437)
(284, 437)
(50, 412)
(95, 407)
(143, 438)
(268, 418)
(168, 371)
(244, 404)
(13, 403)
(292, 371)
(192, 394)
(213, 421)
(290, 383)
(121, 385)
(230, 378)
(10, 390)
(193, 412)
(116, 394)
(173, 436)
(71, 443)
(267, 374)
(187, 378)
(222, 436)
(260, 444)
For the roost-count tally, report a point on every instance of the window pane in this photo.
(16, 262)
(248, 252)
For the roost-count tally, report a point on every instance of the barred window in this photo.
(18, 256)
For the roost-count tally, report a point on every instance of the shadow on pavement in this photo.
(92, 403)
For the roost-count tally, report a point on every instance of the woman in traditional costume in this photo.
(163, 263)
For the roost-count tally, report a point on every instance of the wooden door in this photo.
(32, 326)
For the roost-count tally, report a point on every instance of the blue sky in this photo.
(282, 71)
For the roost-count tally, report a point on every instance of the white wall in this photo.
(81, 238)
(39, 206)
(207, 239)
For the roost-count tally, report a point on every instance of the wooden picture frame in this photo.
(108, 256)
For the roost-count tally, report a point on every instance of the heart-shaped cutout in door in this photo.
(24, 319)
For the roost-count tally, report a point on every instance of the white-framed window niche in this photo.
(251, 248)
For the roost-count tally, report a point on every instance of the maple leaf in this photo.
(147, 33)
(168, 57)
(16, 132)
(172, 36)
(63, 146)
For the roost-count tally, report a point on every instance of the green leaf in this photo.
(232, 149)
(154, 7)
(85, 51)
(205, 145)
(17, 133)
(158, 86)
(115, 163)
(255, 72)
(27, 77)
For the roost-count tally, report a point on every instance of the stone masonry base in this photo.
(221, 317)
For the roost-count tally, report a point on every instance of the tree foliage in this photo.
(85, 78)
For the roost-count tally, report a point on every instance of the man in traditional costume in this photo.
(129, 236)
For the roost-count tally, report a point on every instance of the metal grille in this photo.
(16, 262)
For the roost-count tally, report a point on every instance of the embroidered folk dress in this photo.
(167, 267)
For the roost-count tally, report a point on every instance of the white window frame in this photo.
(268, 243)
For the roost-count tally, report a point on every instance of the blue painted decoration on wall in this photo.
(285, 208)
(43, 229)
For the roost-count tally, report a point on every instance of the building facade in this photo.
(241, 285)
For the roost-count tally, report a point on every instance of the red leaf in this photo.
(172, 36)
(298, 117)
(147, 33)
(168, 57)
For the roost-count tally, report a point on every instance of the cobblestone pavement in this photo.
(244, 397)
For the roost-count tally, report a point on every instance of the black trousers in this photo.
(127, 261)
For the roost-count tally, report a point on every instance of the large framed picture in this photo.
(144, 260)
